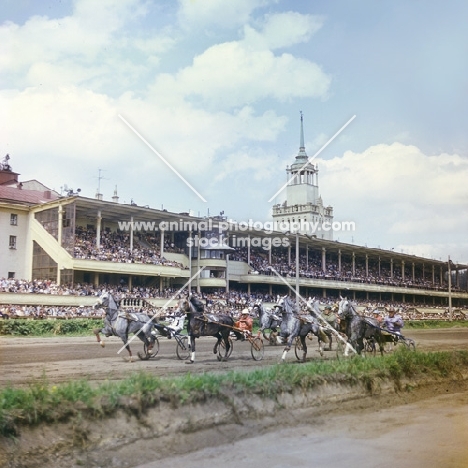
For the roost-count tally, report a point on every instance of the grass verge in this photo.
(42, 402)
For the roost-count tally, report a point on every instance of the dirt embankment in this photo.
(131, 438)
(128, 438)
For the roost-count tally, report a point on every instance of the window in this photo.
(13, 219)
(11, 275)
(12, 242)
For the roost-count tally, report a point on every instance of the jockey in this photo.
(393, 322)
(376, 315)
(329, 316)
(176, 325)
(245, 322)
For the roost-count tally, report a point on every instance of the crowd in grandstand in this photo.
(232, 301)
(115, 247)
(310, 266)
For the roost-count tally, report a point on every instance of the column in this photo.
(391, 269)
(379, 267)
(413, 272)
(403, 270)
(339, 260)
(131, 233)
(354, 264)
(227, 273)
(162, 242)
(441, 276)
(324, 259)
(98, 229)
(433, 275)
(190, 263)
(60, 225)
(198, 262)
(248, 249)
(367, 267)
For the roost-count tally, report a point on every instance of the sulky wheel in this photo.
(152, 353)
(222, 350)
(257, 350)
(409, 343)
(183, 348)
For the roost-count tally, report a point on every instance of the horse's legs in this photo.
(330, 337)
(96, 331)
(218, 337)
(287, 348)
(304, 347)
(127, 347)
(192, 347)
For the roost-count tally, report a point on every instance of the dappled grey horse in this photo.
(328, 327)
(294, 325)
(121, 323)
(267, 320)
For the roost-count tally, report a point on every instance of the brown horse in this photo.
(204, 324)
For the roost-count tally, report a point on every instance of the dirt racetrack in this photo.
(423, 428)
(23, 360)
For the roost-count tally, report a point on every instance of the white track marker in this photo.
(162, 159)
(314, 156)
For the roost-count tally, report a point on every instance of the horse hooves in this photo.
(143, 357)
(189, 362)
(103, 345)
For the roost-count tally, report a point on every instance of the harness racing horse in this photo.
(267, 320)
(358, 328)
(201, 324)
(294, 325)
(330, 326)
(120, 323)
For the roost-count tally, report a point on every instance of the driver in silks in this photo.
(176, 325)
(393, 322)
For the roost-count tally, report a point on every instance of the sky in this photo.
(194, 106)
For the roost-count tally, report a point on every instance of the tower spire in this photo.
(302, 155)
(301, 144)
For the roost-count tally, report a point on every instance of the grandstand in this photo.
(73, 240)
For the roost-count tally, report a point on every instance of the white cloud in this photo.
(217, 13)
(396, 192)
(233, 74)
(73, 50)
(287, 29)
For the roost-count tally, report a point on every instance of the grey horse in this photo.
(294, 325)
(120, 323)
(267, 320)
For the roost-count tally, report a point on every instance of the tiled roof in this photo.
(29, 197)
